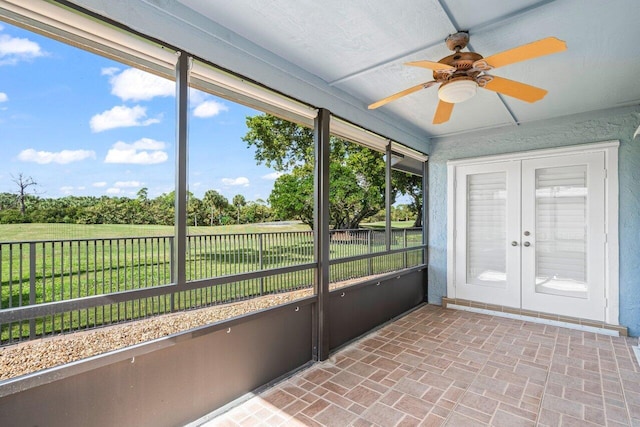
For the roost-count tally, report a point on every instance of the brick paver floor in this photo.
(439, 366)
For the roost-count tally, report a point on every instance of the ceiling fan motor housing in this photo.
(463, 64)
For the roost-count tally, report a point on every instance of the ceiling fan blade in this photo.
(435, 66)
(443, 112)
(515, 89)
(401, 94)
(522, 53)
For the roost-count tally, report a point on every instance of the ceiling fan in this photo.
(462, 73)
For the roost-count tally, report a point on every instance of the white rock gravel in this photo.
(31, 356)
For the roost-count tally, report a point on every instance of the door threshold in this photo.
(535, 317)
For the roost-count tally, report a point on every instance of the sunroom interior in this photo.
(321, 65)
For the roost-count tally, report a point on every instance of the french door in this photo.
(487, 267)
(530, 233)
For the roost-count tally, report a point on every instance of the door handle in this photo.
(514, 243)
(526, 244)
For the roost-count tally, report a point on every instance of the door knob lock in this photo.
(526, 233)
(514, 243)
(526, 244)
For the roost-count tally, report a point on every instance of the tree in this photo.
(23, 182)
(11, 216)
(194, 209)
(163, 208)
(279, 144)
(292, 197)
(68, 209)
(356, 188)
(143, 194)
(239, 201)
(402, 213)
(411, 185)
(216, 202)
(256, 212)
(357, 176)
(7, 201)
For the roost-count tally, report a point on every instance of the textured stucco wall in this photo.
(618, 124)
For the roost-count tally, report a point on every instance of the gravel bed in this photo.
(31, 356)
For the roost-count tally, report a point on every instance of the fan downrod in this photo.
(457, 41)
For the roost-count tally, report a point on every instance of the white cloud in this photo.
(15, 49)
(121, 184)
(272, 176)
(99, 184)
(197, 96)
(62, 157)
(121, 116)
(109, 71)
(113, 190)
(133, 84)
(3, 97)
(209, 109)
(240, 181)
(148, 144)
(145, 151)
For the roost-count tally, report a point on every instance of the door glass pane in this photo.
(486, 229)
(561, 231)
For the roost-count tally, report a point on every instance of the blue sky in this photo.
(80, 124)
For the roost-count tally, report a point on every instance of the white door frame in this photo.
(610, 150)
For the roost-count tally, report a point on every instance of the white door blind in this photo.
(561, 230)
(486, 228)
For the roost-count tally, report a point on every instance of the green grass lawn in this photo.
(30, 232)
(380, 225)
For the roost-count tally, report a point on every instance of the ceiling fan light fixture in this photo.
(457, 90)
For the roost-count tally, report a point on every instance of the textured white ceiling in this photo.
(330, 45)
(343, 55)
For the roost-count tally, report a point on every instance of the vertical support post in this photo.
(180, 227)
(425, 223)
(387, 195)
(261, 262)
(404, 232)
(32, 286)
(425, 210)
(172, 272)
(321, 137)
(370, 251)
